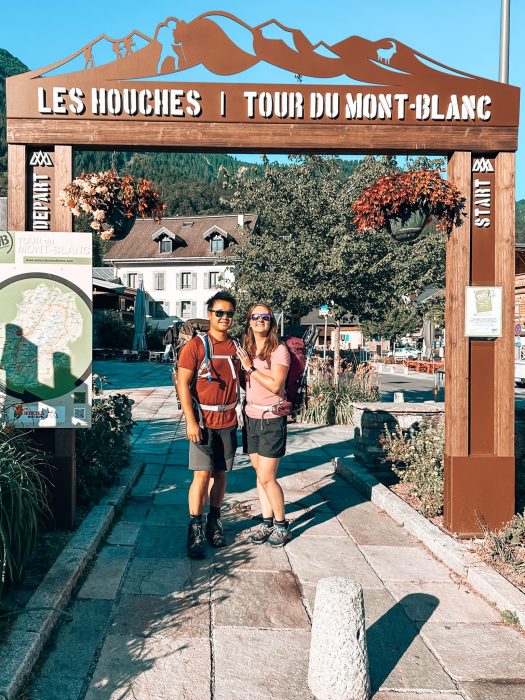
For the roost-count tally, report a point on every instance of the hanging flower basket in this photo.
(409, 229)
(403, 203)
(119, 222)
(112, 201)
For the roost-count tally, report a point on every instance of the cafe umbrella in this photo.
(139, 319)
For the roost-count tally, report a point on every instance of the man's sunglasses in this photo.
(220, 313)
(263, 317)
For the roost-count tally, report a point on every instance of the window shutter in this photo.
(125, 279)
(162, 280)
(205, 310)
(206, 280)
(178, 309)
(194, 280)
(193, 309)
(177, 281)
(140, 279)
(166, 306)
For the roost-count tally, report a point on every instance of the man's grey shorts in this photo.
(215, 451)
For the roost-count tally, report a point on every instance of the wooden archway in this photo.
(416, 106)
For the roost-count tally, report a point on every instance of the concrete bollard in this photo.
(338, 668)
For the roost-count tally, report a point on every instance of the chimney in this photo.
(240, 220)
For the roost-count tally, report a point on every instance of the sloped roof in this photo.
(104, 273)
(139, 243)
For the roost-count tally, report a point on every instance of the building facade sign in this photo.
(45, 329)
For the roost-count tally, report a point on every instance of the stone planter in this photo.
(370, 420)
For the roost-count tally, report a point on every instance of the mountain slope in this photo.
(9, 65)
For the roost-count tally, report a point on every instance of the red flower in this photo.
(399, 195)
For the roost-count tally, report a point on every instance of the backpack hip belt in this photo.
(218, 409)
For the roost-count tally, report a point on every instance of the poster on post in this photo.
(483, 312)
(45, 329)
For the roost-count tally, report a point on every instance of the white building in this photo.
(180, 261)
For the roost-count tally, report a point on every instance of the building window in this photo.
(159, 281)
(185, 279)
(166, 246)
(217, 244)
(185, 309)
(214, 280)
(132, 280)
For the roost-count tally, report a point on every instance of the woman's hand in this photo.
(245, 359)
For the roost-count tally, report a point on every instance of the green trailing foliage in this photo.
(417, 458)
(104, 449)
(24, 502)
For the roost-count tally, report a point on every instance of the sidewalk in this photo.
(147, 623)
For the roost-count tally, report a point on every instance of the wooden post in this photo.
(65, 475)
(479, 397)
(17, 187)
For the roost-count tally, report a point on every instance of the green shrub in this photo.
(103, 450)
(154, 337)
(508, 545)
(24, 501)
(113, 331)
(333, 404)
(417, 459)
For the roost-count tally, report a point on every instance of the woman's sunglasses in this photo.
(220, 313)
(263, 317)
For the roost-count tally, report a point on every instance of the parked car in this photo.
(405, 353)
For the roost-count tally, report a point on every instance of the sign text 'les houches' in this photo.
(112, 79)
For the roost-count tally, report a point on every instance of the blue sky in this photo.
(463, 34)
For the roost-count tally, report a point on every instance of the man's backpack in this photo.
(189, 329)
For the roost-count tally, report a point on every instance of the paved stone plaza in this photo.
(147, 623)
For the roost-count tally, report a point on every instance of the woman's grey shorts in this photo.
(215, 451)
(266, 436)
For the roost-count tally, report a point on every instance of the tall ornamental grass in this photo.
(24, 501)
(332, 405)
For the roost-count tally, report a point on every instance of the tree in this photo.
(305, 251)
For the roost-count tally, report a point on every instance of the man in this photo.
(169, 340)
(207, 386)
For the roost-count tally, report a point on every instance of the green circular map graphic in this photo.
(45, 337)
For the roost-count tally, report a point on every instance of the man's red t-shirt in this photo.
(222, 389)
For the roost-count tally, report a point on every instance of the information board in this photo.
(45, 329)
(483, 312)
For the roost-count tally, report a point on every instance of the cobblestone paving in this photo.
(147, 623)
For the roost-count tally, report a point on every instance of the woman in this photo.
(266, 363)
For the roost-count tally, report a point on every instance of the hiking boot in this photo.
(280, 535)
(215, 532)
(196, 547)
(261, 534)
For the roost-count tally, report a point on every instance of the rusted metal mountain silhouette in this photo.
(212, 40)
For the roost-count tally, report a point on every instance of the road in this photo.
(420, 387)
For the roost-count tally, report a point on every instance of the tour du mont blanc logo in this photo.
(6, 245)
(42, 159)
(482, 165)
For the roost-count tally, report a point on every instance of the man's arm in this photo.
(184, 377)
